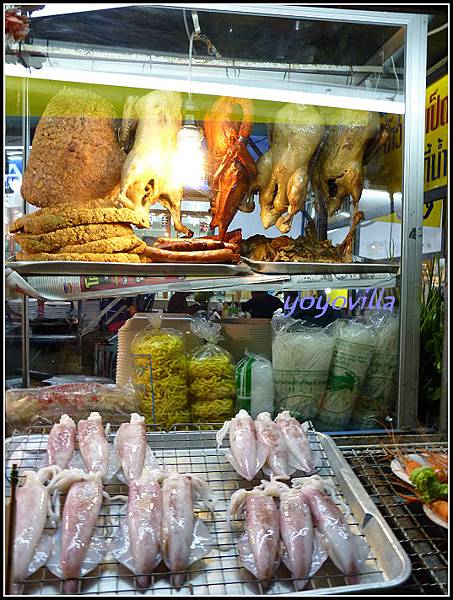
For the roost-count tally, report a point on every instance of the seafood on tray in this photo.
(31, 546)
(278, 447)
(230, 167)
(160, 524)
(93, 443)
(77, 548)
(306, 248)
(61, 442)
(130, 446)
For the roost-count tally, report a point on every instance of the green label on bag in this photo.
(244, 383)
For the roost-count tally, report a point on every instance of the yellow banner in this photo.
(436, 134)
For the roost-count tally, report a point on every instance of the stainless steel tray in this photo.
(301, 268)
(194, 450)
(67, 267)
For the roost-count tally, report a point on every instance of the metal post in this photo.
(25, 314)
(25, 343)
(412, 226)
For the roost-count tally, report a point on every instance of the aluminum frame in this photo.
(413, 167)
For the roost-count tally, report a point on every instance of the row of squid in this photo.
(325, 147)
(158, 521)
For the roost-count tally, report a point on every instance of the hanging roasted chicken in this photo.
(282, 178)
(339, 169)
(230, 167)
(147, 175)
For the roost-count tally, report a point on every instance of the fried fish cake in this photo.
(117, 257)
(124, 243)
(47, 220)
(81, 234)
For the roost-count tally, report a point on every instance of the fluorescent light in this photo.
(52, 10)
(316, 95)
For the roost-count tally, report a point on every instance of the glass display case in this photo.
(329, 108)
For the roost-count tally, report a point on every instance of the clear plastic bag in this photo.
(379, 392)
(41, 405)
(255, 385)
(160, 375)
(211, 376)
(301, 356)
(353, 350)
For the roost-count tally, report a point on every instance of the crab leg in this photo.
(130, 446)
(93, 443)
(61, 442)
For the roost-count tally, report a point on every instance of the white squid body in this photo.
(80, 513)
(130, 446)
(93, 443)
(178, 495)
(248, 454)
(271, 436)
(297, 533)
(32, 508)
(342, 545)
(144, 519)
(259, 544)
(61, 442)
(299, 452)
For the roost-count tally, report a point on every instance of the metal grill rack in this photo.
(193, 449)
(425, 542)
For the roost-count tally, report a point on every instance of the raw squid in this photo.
(130, 445)
(299, 452)
(80, 513)
(259, 544)
(184, 538)
(277, 457)
(302, 552)
(347, 550)
(61, 442)
(32, 507)
(138, 546)
(248, 454)
(93, 443)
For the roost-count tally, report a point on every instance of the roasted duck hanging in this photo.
(339, 168)
(282, 179)
(147, 175)
(230, 169)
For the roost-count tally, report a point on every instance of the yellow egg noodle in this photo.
(160, 376)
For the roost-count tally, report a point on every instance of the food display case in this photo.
(228, 149)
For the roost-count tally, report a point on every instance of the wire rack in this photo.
(425, 543)
(189, 449)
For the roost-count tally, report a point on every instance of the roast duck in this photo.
(338, 171)
(282, 178)
(147, 174)
(307, 248)
(230, 168)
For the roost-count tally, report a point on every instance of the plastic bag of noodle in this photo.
(301, 356)
(211, 376)
(255, 385)
(160, 374)
(353, 350)
(379, 392)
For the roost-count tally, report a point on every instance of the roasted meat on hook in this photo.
(230, 166)
(339, 168)
(147, 174)
(282, 178)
